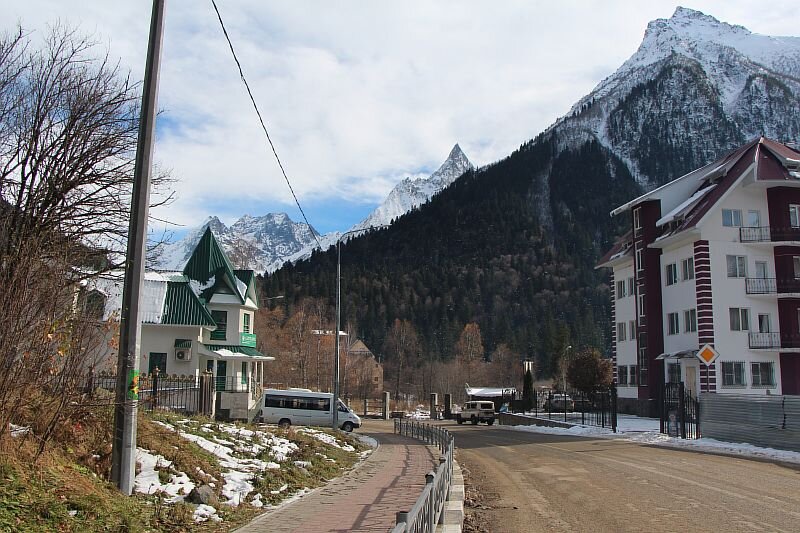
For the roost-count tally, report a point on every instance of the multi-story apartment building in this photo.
(706, 284)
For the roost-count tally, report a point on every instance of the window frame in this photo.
(639, 259)
(221, 333)
(621, 336)
(620, 289)
(730, 221)
(733, 366)
(246, 323)
(622, 376)
(739, 318)
(687, 268)
(760, 383)
(739, 264)
(631, 286)
(750, 222)
(671, 274)
(690, 320)
(637, 218)
(641, 304)
(794, 216)
(673, 323)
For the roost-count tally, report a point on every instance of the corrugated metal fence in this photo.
(772, 421)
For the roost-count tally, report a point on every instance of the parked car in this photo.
(559, 402)
(475, 412)
(297, 407)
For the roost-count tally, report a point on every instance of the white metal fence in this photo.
(429, 507)
(772, 421)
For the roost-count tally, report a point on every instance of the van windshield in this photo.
(343, 408)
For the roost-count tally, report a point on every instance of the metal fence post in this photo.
(431, 511)
(402, 518)
(154, 391)
(614, 408)
(682, 409)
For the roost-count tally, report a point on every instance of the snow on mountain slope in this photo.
(409, 193)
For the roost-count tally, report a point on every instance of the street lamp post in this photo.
(564, 378)
(335, 406)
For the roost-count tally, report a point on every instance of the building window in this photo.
(671, 271)
(246, 323)
(244, 372)
(643, 363)
(221, 320)
(673, 324)
(620, 331)
(794, 215)
(631, 286)
(754, 219)
(637, 218)
(761, 269)
(673, 373)
(732, 218)
(796, 266)
(632, 376)
(622, 376)
(737, 266)
(762, 374)
(639, 260)
(690, 321)
(733, 374)
(687, 265)
(621, 290)
(740, 319)
(632, 329)
(764, 323)
(641, 305)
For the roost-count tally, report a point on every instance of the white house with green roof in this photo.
(201, 319)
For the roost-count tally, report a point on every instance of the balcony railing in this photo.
(765, 340)
(788, 285)
(768, 234)
(790, 341)
(760, 285)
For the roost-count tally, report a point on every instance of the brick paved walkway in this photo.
(366, 499)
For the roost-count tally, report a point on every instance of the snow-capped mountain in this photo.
(409, 193)
(694, 83)
(250, 242)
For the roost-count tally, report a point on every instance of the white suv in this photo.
(475, 412)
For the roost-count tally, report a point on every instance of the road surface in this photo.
(535, 482)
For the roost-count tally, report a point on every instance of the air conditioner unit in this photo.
(183, 354)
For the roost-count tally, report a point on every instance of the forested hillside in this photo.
(503, 246)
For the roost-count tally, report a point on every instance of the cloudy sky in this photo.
(359, 94)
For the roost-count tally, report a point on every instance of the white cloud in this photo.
(357, 94)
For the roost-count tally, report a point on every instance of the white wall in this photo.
(625, 312)
(161, 339)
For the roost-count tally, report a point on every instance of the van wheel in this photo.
(284, 423)
(347, 426)
(490, 421)
(460, 421)
(474, 421)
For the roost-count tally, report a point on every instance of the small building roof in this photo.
(490, 392)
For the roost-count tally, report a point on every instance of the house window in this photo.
(641, 305)
(754, 219)
(643, 365)
(690, 320)
(246, 323)
(761, 269)
(639, 260)
(687, 265)
(221, 319)
(796, 266)
(733, 374)
(740, 319)
(762, 374)
(732, 218)
(244, 372)
(671, 271)
(673, 324)
(637, 218)
(737, 266)
(631, 286)
(632, 329)
(763, 323)
(674, 373)
(622, 376)
(157, 360)
(794, 215)
(621, 290)
(632, 375)
(620, 331)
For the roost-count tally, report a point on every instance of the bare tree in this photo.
(401, 347)
(68, 133)
(469, 349)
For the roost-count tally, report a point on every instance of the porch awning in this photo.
(236, 352)
(682, 354)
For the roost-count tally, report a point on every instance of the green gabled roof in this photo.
(209, 260)
(246, 350)
(248, 277)
(182, 307)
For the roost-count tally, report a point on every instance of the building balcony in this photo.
(768, 234)
(783, 286)
(773, 341)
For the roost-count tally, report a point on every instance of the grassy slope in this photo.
(71, 475)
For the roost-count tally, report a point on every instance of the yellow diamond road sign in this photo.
(707, 354)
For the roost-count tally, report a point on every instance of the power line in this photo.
(263, 125)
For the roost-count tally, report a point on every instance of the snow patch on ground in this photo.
(204, 513)
(326, 438)
(646, 431)
(148, 482)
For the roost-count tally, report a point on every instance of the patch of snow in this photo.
(282, 489)
(326, 438)
(148, 482)
(19, 431)
(204, 513)
(302, 464)
(256, 501)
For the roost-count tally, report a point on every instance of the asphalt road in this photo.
(533, 482)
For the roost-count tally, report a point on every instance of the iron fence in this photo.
(156, 391)
(428, 510)
(758, 340)
(595, 408)
(679, 412)
(760, 286)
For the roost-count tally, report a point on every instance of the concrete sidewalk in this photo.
(365, 499)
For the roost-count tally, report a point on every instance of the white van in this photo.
(302, 407)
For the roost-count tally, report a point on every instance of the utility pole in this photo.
(123, 455)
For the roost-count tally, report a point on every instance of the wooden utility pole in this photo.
(123, 455)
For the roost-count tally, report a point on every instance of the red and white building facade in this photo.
(711, 259)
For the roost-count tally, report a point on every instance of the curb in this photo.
(453, 515)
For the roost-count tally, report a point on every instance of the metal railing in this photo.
(760, 285)
(768, 234)
(758, 340)
(429, 507)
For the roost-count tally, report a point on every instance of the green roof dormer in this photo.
(209, 261)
